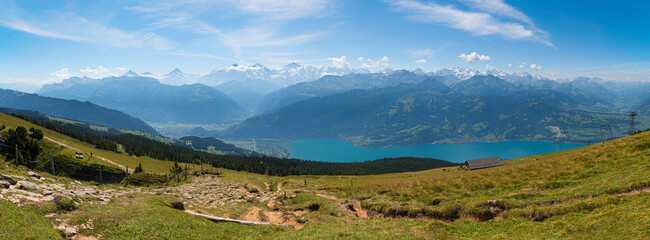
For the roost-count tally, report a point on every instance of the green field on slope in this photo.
(599, 191)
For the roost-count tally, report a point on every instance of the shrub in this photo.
(177, 205)
(314, 206)
(64, 204)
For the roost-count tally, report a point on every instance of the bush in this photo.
(64, 204)
(177, 205)
(140, 179)
(314, 206)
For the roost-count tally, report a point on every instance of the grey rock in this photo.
(27, 186)
(70, 231)
(9, 179)
(33, 174)
(4, 184)
(79, 193)
(47, 193)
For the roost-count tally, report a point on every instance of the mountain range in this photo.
(72, 109)
(370, 109)
(150, 100)
(480, 108)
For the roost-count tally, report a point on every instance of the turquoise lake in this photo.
(328, 150)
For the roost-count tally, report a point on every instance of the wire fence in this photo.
(95, 173)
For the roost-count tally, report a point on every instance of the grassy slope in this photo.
(24, 223)
(583, 183)
(149, 164)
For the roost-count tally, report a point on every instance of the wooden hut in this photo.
(483, 163)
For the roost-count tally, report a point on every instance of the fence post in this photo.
(16, 162)
(127, 176)
(100, 175)
(52, 163)
(166, 180)
(147, 180)
(186, 172)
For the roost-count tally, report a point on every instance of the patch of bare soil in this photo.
(327, 196)
(252, 215)
(634, 192)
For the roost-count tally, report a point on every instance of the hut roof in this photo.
(483, 163)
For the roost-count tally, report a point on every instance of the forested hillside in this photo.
(480, 108)
(72, 109)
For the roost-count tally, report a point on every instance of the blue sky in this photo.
(45, 41)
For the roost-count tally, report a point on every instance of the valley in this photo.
(565, 194)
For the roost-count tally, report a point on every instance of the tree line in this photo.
(142, 146)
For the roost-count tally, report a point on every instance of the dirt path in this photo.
(356, 208)
(94, 155)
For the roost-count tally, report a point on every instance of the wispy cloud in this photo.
(262, 29)
(421, 61)
(421, 53)
(68, 26)
(478, 23)
(498, 7)
(62, 73)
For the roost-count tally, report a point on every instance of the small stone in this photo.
(4, 184)
(50, 215)
(33, 174)
(60, 227)
(27, 186)
(47, 193)
(9, 179)
(79, 193)
(70, 231)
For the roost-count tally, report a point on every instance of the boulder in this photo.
(70, 231)
(33, 174)
(4, 184)
(79, 193)
(27, 186)
(47, 192)
(9, 179)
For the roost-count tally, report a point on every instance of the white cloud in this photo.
(265, 20)
(473, 57)
(489, 67)
(360, 59)
(421, 61)
(498, 7)
(63, 73)
(282, 9)
(121, 69)
(99, 70)
(535, 67)
(340, 63)
(421, 53)
(509, 64)
(75, 28)
(477, 23)
(372, 64)
(522, 65)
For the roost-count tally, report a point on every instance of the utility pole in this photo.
(16, 162)
(52, 163)
(632, 128)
